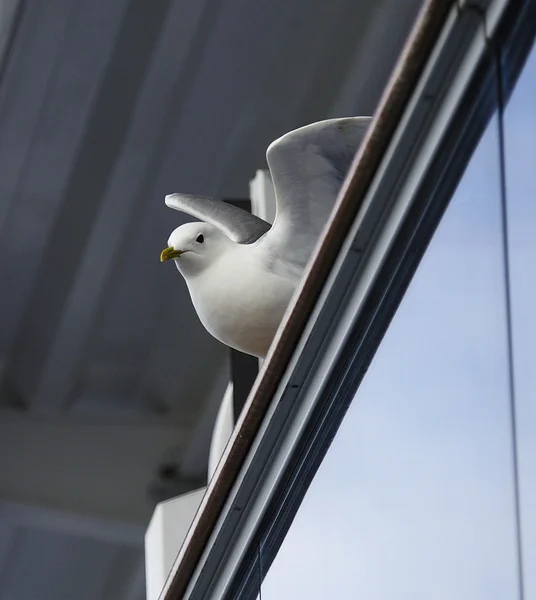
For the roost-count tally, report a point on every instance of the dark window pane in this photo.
(520, 158)
(415, 498)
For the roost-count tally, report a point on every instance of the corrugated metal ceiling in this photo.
(105, 371)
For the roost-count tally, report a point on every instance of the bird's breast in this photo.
(241, 305)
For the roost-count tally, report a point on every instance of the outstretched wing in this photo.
(237, 224)
(308, 167)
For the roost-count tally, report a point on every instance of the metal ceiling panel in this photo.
(106, 373)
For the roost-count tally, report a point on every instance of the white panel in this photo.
(222, 430)
(262, 193)
(165, 535)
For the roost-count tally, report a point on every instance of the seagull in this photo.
(241, 271)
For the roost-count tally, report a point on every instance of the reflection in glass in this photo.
(520, 137)
(415, 499)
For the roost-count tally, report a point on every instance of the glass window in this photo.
(519, 137)
(415, 497)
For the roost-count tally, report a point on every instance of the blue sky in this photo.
(414, 499)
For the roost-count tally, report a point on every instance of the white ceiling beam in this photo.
(92, 467)
(114, 531)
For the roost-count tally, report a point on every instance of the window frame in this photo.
(277, 447)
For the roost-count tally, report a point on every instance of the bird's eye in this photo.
(200, 238)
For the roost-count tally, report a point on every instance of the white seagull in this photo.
(241, 271)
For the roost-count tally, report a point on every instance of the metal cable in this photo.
(509, 327)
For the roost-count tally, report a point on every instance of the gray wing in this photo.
(308, 167)
(237, 224)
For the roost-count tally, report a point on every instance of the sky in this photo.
(415, 498)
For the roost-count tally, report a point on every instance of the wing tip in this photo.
(171, 200)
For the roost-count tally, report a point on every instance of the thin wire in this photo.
(260, 569)
(509, 329)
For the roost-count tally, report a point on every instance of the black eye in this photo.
(200, 238)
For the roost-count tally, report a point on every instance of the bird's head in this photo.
(194, 246)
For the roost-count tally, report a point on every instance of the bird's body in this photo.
(240, 271)
(230, 310)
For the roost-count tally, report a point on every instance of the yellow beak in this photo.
(169, 253)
